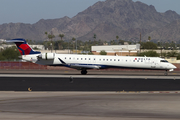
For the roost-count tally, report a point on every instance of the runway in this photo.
(92, 82)
(97, 96)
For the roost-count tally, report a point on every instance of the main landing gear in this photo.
(166, 73)
(83, 72)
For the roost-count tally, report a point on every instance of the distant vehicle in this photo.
(85, 62)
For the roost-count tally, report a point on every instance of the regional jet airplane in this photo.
(85, 62)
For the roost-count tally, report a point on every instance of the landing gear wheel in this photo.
(84, 72)
(166, 73)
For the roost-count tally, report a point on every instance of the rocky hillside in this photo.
(106, 19)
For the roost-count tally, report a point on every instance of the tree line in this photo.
(72, 44)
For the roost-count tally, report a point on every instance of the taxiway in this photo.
(89, 106)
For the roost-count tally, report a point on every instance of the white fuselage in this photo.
(102, 61)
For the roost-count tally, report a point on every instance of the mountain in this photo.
(106, 19)
(168, 33)
(31, 31)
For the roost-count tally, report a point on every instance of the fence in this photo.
(20, 65)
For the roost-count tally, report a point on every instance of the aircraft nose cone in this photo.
(174, 67)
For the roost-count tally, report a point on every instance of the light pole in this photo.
(140, 42)
(76, 46)
(68, 47)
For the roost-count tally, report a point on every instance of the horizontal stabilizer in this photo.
(14, 41)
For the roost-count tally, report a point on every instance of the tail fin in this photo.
(23, 47)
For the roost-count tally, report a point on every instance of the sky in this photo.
(31, 11)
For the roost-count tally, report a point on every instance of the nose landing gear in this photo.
(166, 73)
(83, 72)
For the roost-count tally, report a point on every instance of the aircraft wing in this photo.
(86, 66)
(80, 66)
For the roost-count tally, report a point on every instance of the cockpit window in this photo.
(164, 61)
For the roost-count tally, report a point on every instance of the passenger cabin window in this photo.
(165, 61)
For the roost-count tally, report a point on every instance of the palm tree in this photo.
(149, 38)
(94, 37)
(73, 39)
(51, 36)
(46, 33)
(117, 37)
(61, 36)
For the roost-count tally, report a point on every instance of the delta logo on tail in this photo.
(23, 47)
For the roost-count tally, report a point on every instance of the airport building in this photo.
(120, 50)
